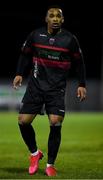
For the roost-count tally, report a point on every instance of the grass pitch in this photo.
(80, 155)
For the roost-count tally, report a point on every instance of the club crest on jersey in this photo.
(51, 41)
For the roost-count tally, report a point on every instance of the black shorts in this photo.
(34, 99)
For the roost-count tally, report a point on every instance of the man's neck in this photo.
(54, 31)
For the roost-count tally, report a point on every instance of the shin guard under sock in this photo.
(53, 143)
(28, 135)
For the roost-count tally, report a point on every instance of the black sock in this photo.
(53, 143)
(28, 135)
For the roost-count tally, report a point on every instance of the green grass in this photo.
(80, 155)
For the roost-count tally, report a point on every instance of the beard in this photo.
(55, 26)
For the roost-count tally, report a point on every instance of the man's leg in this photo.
(54, 141)
(27, 131)
(28, 135)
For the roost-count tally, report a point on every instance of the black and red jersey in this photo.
(51, 57)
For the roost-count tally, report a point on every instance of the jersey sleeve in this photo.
(78, 60)
(25, 56)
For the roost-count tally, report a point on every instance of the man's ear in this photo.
(62, 20)
(46, 19)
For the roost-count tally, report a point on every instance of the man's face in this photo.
(54, 18)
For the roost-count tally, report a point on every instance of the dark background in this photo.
(18, 19)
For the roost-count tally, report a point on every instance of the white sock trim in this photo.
(35, 153)
(48, 165)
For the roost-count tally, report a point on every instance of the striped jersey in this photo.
(51, 57)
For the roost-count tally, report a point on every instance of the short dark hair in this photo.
(54, 6)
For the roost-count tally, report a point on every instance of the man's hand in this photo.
(17, 81)
(81, 93)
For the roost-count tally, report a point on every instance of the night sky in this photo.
(18, 20)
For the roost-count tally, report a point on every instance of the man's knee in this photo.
(22, 119)
(56, 120)
(25, 119)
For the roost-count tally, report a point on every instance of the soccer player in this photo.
(51, 50)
